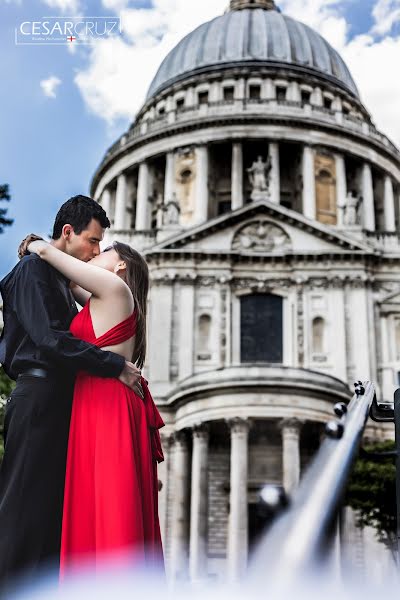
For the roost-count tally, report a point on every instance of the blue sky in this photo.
(50, 146)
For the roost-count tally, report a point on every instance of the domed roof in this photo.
(253, 36)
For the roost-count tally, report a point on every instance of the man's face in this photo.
(85, 245)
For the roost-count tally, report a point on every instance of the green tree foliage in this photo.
(4, 196)
(372, 491)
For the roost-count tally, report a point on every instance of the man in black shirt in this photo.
(39, 352)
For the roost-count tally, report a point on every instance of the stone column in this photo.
(186, 329)
(388, 203)
(163, 469)
(309, 196)
(160, 332)
(106, 202)
(169, 186)
(341, 187)
(199, 505)
(142, 203)
(201, 208)
(275, 184)
(237, 175)
(120, 203)
(179, 501)
(291, 453)
(368, 198)
(238, 515)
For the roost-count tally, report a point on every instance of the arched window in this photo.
(261, 328)
(318, 333)
(204, 338)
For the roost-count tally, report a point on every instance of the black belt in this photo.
(36, 372)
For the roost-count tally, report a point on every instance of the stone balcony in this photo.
(386, 241)
(245, 107)
(264, 391)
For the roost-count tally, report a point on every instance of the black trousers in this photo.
(32, 475)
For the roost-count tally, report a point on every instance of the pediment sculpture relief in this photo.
(261, 236)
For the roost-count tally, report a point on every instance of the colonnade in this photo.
(188, 475)
(201, 214)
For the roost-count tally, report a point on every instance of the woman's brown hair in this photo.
(137, 278)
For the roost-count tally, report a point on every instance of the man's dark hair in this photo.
(78, 212)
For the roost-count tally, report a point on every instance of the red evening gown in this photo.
(111, 485)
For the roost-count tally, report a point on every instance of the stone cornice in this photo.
(269, 284)
(274, 377)
(284, 215)
(253, 119)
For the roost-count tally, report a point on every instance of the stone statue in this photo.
(159, 209)
(350, 208)
(172, 212)
(259, 178)
(167, 214)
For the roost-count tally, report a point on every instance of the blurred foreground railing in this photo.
(298, 540)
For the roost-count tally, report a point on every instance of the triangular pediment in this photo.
(392, 299)
(262, 228)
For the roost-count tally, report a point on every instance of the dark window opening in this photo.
(229, 93)
(180, 103)
(261, 328)
(305, 97)
(224, 206)
(203, 97)
(328, 103)
(280, 93)
(254, 92)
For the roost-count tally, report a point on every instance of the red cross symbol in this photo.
(71, 39)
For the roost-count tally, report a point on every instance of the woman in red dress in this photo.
(111, 486)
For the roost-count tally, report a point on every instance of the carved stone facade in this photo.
(261, 182)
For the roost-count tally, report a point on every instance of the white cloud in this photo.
(71, 6)
(370, 59)
(49, 86)
(371, 64)
(385, 13)
(116, 5)
(119, 71)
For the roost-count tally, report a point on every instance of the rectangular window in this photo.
(280, 93)
(203, 97)
(229, 93)
(328, 103)
(255, 92)
(305, 97)
(261, 328)
(180, 103)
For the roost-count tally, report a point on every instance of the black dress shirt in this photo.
(38, 308)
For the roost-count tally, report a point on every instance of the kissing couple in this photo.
(78, 481)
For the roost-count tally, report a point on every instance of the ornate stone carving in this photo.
(179, 438)
(167, 214)
(239, 425)
(201, 430)
(350, 208)
(261, 236)
(259, 176)
(300, 325)
(290, 426)
(223, 326)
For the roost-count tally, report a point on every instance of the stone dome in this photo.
(249, 34)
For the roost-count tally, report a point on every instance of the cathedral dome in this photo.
(253, 32)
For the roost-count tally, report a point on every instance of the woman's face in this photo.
(108, 259)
